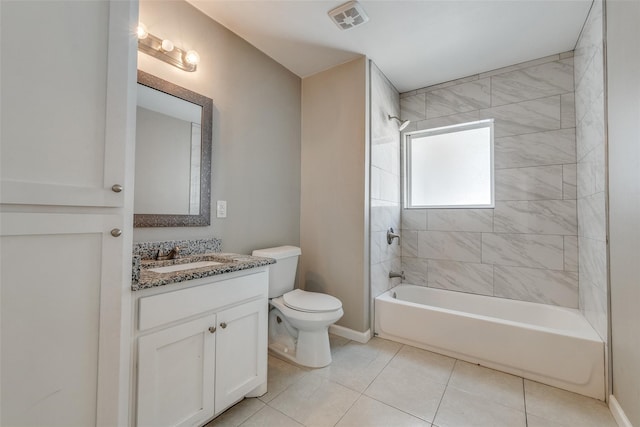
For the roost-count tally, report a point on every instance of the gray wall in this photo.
(385, 181)
(256, 129)
(623, 94)
(590, 146)
(525, 248)
(334, 226)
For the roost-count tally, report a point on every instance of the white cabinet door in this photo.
(241, 358)
(176, 374)
(66, 73)
(58, 334)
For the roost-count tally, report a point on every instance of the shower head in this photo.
(403, 123)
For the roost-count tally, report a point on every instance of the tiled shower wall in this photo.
(527, 247)
(589, 77)
(385, 181)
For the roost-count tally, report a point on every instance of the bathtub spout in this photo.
(393, 274)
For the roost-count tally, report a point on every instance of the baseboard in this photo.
(618, 413)
(350, 334)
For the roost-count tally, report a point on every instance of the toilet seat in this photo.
(311, 302)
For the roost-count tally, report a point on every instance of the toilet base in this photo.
(312, 349)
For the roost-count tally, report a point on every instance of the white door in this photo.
(176, 374)
(241, 358)
(56, 269)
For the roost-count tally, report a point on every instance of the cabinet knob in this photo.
(116, 188)
(116, 232)
(223, 325)
(212, 329)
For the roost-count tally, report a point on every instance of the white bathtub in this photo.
(548, 344)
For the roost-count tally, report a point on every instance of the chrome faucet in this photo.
(394, 274)
(170, 255)
(392, 235)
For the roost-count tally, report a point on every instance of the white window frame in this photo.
(408, 136)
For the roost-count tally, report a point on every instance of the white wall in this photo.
(334, 203)
(256, 129)
(623, 93)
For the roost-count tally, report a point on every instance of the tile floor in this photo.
(383, 383)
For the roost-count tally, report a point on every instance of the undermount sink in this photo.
(187, 266)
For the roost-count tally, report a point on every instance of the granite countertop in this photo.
(230, 262)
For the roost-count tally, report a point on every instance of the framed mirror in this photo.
(173, 155)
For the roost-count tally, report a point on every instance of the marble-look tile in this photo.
(269, 417)
(593, 304)
(520, 66)
(460, 276)
(591, 85)
(375, 182)
(570, 253)
(569, 181)
(415, 270)
(592, 216)
(536, 217)
(538, 115)
(455, 119)
(567, 110)
(449, 83)
(590, 129)
(384, 216)
(593, 261)
(389, 186)
(459, 408)
(535, 149)
(315, 401)
(414, 219)
(532, 183)
(413, 107)
(409, 385)
(280, 376)
(407, 94)
(565, 55)
(523, 250)
(496, 386)
(381, 250)
(537, 285)
(454, 246)
(356, 365)
(237, 414)
(591, 39)
(380, 281)
(459, 98)
(371, 413)
(565, 407)
(586, 175)
(460, 220)
(386, 156)
(409, 240)
(552, 78)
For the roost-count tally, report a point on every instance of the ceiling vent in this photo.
(348, 15)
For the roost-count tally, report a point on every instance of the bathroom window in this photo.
(450, 167)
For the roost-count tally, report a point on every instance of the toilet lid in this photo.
(311, 302)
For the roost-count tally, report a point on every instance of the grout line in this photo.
(524, 397)
(435, 414)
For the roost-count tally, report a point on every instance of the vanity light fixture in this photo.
(165, 50)
(403, 123)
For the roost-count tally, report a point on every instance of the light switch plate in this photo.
(221, 208)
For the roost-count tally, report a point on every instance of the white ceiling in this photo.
(416, 43)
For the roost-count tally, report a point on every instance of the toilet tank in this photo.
(282, 274)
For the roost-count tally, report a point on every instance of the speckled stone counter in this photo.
(144, 254)
(230, 262)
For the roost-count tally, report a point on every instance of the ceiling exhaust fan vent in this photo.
(348, 15)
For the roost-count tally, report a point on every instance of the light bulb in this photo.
(192, 57)
(142, 31)
(167, 45)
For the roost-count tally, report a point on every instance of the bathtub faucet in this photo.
(393, 274)
(392, 235)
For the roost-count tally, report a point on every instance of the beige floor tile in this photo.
(371, 413)
(536, 421)
(237, 414)
(494, 385)
(414, 381)
(315, 401)
(336, 341)
(462, 409)
(356, 365)
(269, 417)
(566, 408)
(280, 375)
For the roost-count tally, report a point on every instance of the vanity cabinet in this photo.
(201, 349)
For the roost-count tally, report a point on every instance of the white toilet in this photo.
(298, 320)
